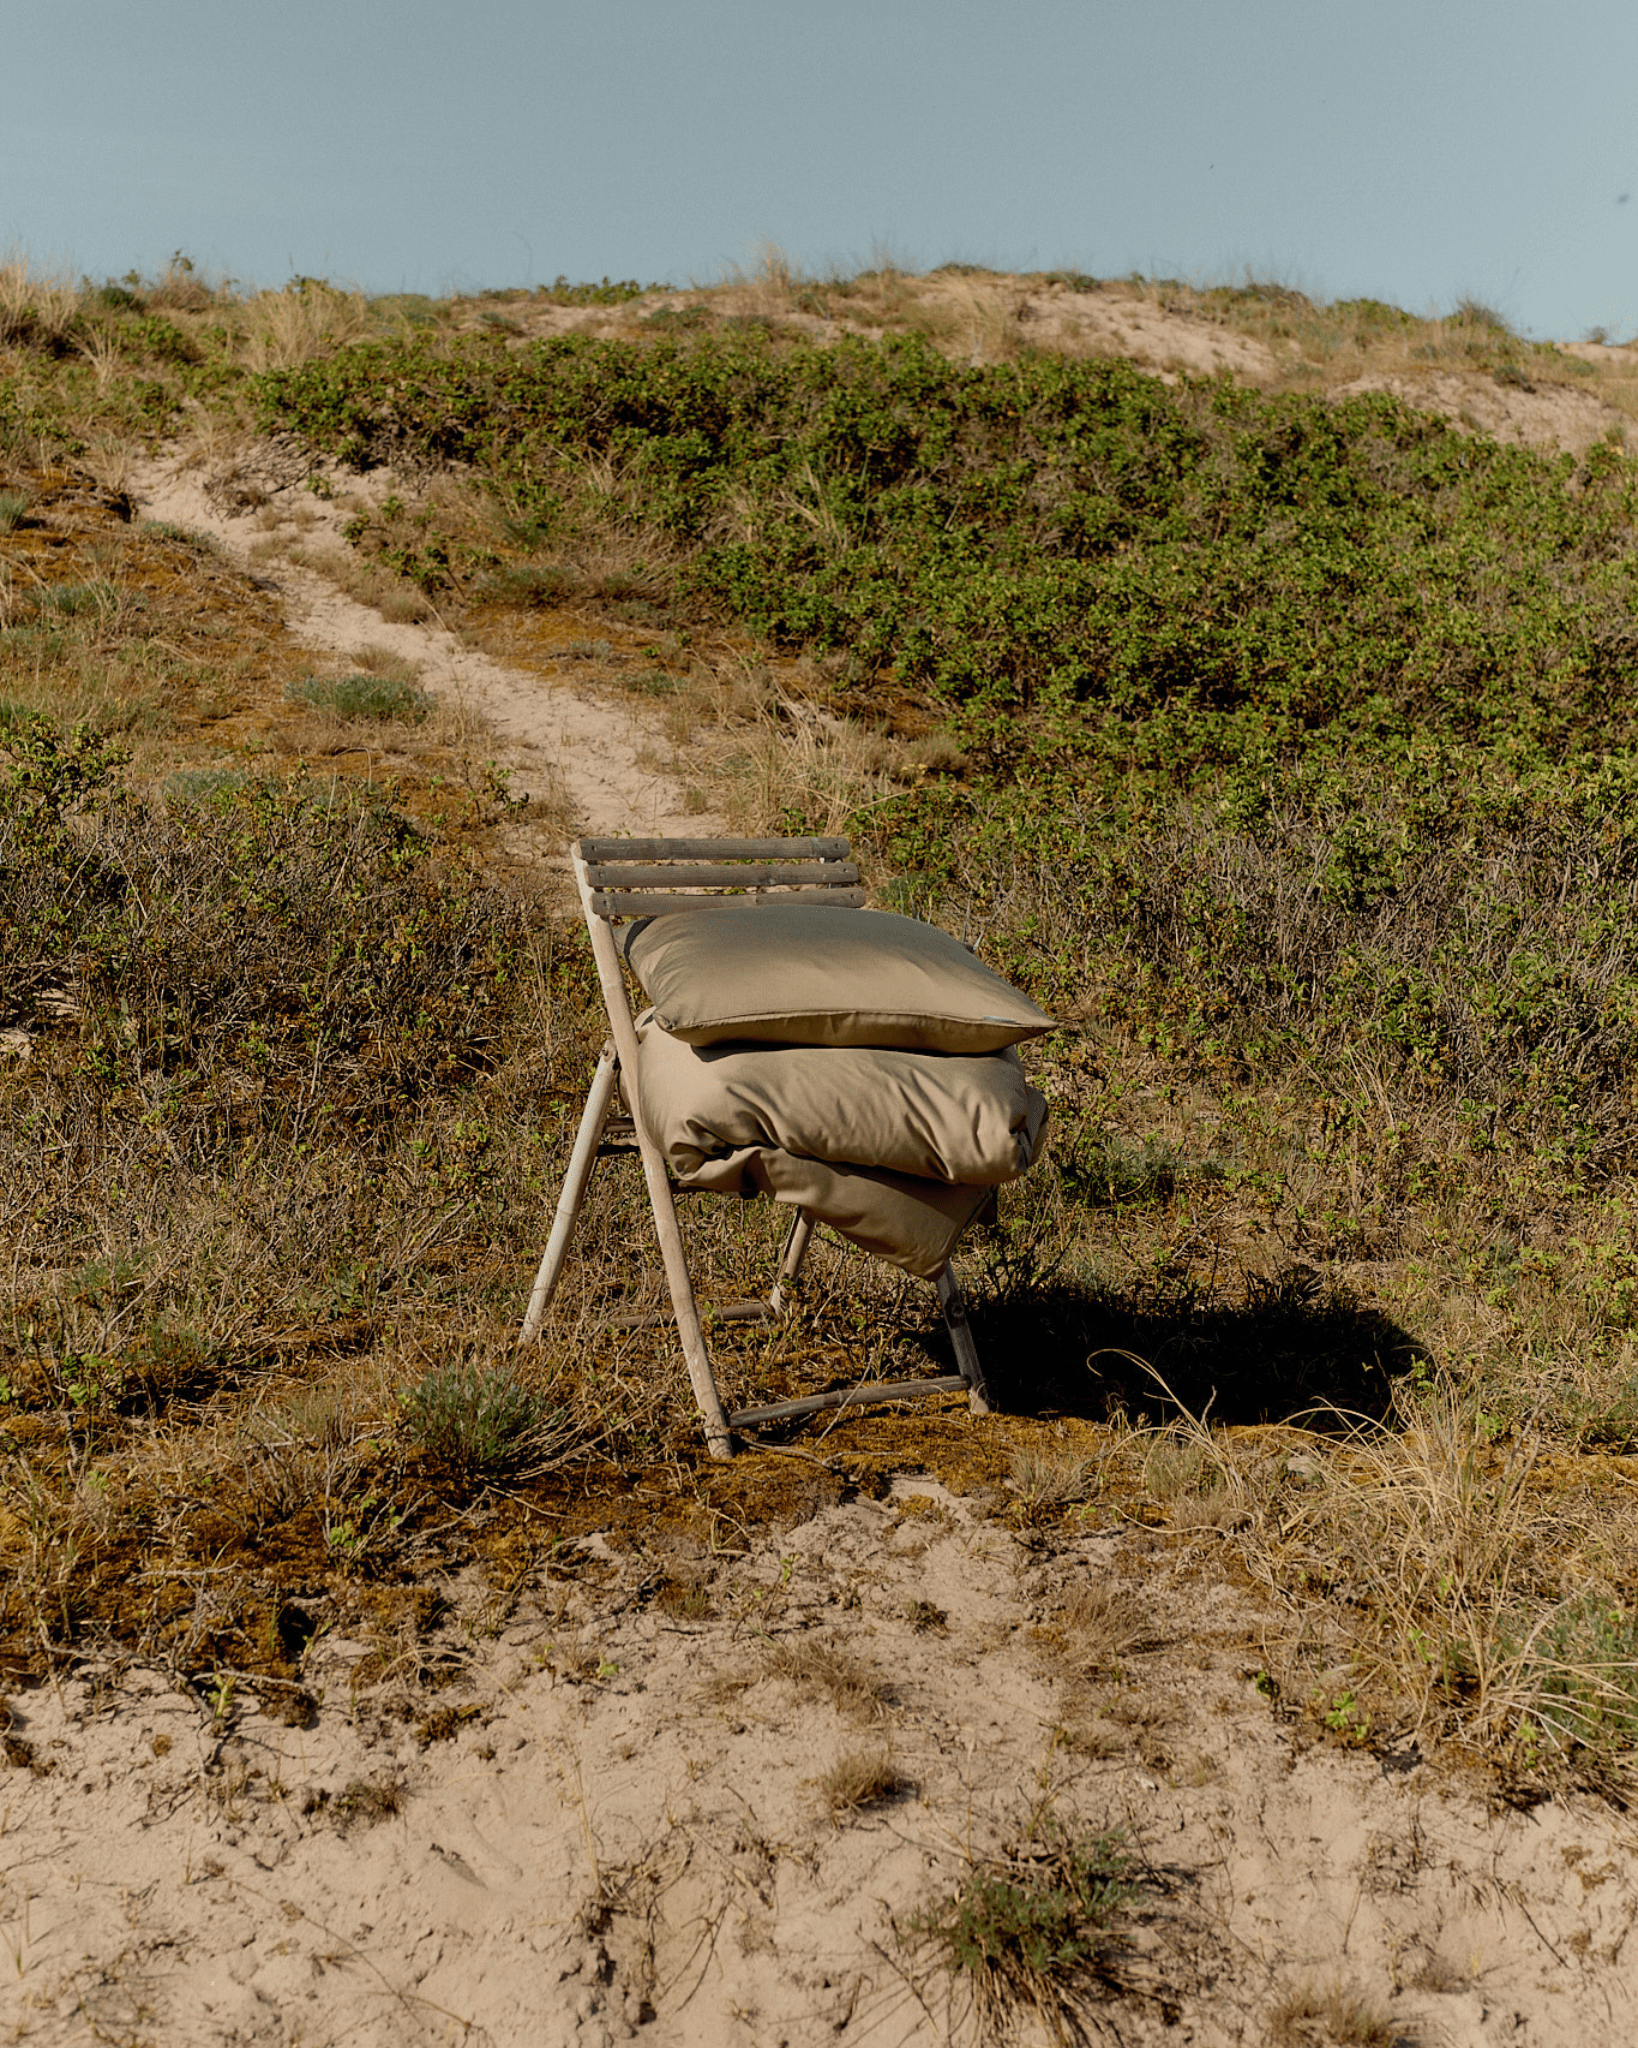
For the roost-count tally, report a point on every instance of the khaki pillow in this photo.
(952, 1117)
(809, 975)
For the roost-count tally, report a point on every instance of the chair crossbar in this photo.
(866, 1394)
(835, 874)
(611, 903)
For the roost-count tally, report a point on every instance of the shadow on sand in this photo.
(1291, 1348)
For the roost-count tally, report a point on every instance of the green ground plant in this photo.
(1035, 1924)
(1204, 566)
(362, 696)
(481, 1420)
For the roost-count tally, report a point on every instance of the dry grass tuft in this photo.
(363, 1803)
(789, 758)
(814, 1671)
(282, 330)
(857, 1780)
(1045, 1481)
(1338, 2017)
(817, 1671)
(1101, 1623)
(38, 309)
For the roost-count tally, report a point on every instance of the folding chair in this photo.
(632, 878)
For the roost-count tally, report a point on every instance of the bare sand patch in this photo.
(610, 1824)
(1549, 417)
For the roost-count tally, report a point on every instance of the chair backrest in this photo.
(652, 877)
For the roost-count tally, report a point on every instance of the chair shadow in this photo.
(1292, 1347)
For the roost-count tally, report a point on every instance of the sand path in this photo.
(558, 741)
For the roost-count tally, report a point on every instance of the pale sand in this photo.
(642, 1853)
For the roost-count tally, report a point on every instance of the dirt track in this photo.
(558, 742)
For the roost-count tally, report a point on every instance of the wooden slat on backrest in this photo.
(821, 874)
(712, 849)
(653, 877)
(631, 903)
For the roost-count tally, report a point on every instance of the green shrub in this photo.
(75, 598)
(362, 696)
(479, 1420)
(1581, 1675)
(206, 785)
(1031, 1925)
(1152, 566)
(616, 292)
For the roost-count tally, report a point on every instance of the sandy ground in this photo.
(626, 1836)
(1548, 418)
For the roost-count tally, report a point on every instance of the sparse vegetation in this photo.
(479, 1420)
(1338, 2016)
(362, 696)
(820, 1671)
(364, 1803)
(858, 1780)
(1280, 745)
(1033, 1925)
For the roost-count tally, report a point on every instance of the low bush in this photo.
(480, 1420)
(1031, 1926)
(379, 697)
(1194, 563)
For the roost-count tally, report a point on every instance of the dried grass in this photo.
(281, 330)
(814, 1671)
(858, 1780)
(793, 759)
(38, 308)
(1338, 2016)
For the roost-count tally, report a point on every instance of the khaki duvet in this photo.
(896, 1150)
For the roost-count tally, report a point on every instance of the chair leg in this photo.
(961, 1340)
(695, 1356)
(797, 1240)
(581, 1161)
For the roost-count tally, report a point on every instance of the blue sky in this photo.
(1418, 153)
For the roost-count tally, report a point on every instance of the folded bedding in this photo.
(912, 1223)
(895, 1150)
(958, 1118)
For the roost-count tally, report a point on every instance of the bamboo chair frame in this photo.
(630, 878)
